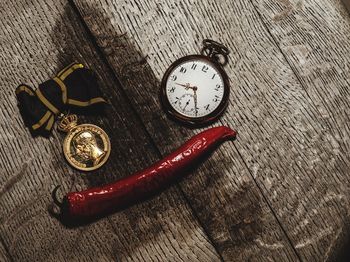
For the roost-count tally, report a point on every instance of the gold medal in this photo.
(86, 146)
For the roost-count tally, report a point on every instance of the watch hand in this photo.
(186, 104)
(187, 85)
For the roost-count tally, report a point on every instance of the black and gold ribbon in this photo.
(74, 89)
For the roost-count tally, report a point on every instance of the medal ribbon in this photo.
(74, 89)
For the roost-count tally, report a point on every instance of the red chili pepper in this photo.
(98, 201)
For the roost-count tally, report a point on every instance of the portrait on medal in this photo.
(87, 148)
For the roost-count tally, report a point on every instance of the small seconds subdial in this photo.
(195, 89)
(187, 104)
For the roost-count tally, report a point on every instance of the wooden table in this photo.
(280, 192)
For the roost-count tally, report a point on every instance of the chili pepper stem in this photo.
(54, 196)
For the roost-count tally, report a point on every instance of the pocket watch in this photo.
(195, 88)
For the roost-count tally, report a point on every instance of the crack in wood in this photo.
(14, 179)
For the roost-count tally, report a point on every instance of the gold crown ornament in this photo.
(86, 146)
(67, 122)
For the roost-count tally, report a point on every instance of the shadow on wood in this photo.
(340, 251)
(244, 219)
(124, 130)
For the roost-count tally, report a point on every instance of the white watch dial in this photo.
(195, 88)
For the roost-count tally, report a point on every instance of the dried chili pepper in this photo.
(98, 201)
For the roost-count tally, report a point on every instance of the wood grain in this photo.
(4, 256)
(296, 157)
(140, 40)
(37, 39)
(314, 39)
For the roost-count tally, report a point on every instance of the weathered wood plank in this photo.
(314, 38)
(37, 39)
(222, 192)
(4, 256)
